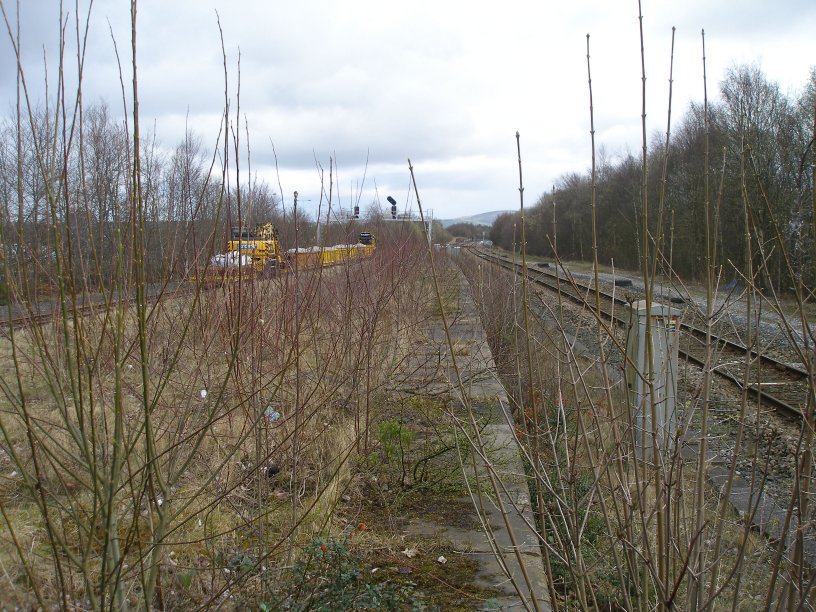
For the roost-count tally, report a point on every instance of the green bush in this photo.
(331, 577)
(395, 439)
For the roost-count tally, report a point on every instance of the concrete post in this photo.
(658, 426)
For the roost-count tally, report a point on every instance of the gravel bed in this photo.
(779, 339)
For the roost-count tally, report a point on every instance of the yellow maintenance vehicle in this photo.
(255, 253)
(261, 246)
(249, 254)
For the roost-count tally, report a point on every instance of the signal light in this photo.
(356, 212)
(393, 207)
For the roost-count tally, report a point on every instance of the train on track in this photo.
(258, 253)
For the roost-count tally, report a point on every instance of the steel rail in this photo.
(780, 385)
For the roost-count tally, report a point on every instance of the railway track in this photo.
(774, 383)
(45, 311)
(41, 312)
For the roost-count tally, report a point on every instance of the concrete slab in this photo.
(507, 548)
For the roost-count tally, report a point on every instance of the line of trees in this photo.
(756, 150)
(187, 201)
(472, 231)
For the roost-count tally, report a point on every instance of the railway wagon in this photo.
(303, 257)
(308, 257)
(367, 244)
(224, 269)
(213, 276)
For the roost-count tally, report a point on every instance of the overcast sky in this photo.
(444, 83)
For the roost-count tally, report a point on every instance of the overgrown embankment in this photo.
(617, 532)
(183, 454)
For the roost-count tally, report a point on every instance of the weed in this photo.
(395, 440)
(332, 576)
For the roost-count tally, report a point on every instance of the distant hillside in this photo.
(486, 218)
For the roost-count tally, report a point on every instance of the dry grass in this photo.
(217, 363)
